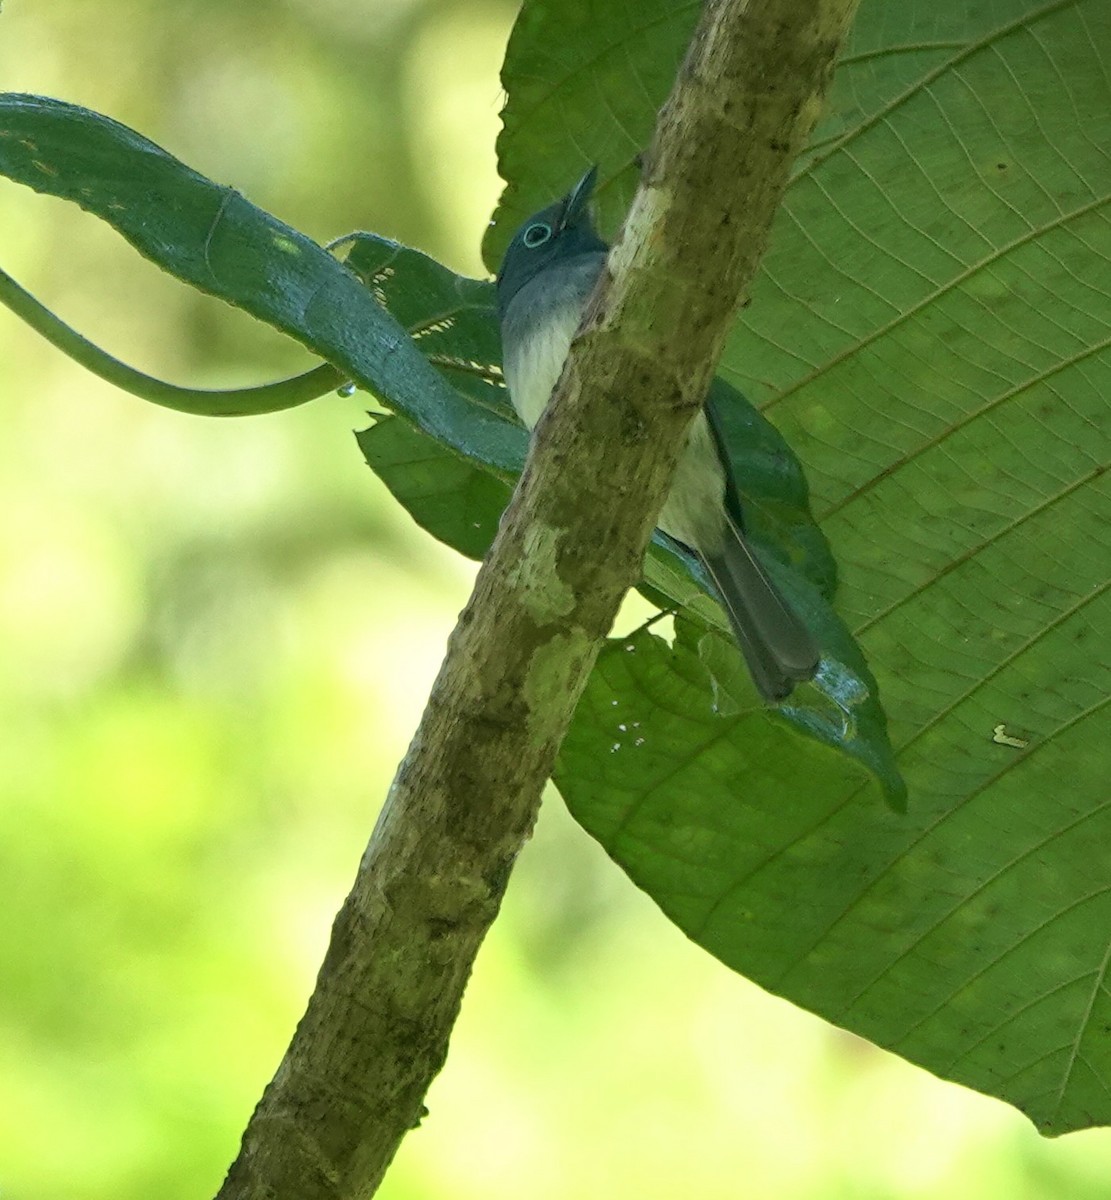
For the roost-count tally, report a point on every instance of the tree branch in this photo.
(570, 545)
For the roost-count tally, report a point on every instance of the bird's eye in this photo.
(537, 235)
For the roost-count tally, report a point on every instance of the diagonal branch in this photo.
(570, 545)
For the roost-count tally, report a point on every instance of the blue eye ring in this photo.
(536, 235)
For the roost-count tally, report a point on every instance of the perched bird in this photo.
(545, 280)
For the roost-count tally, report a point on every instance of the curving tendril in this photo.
(236, 402)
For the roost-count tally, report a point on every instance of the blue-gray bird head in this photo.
(555, 234)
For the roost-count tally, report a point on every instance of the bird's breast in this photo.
(533, 364)
(538, 328)
(537, 331)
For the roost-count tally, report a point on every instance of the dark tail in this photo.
(777, 646)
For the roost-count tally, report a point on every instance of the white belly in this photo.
(532, 370)
(694, 512)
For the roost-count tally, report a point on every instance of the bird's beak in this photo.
(579, 197)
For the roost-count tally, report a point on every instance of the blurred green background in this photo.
(215, 641)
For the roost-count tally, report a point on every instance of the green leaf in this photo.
(451, 497)
(457, 498)
(583, 82)
(452, 319)
(824, 897)
(210, 237)
(931, 330)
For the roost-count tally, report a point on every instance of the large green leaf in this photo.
(932, 331)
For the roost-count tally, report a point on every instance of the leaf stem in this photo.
(235, 402)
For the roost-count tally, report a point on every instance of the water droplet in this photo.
(347, 389)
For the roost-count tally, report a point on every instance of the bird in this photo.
(546, 277)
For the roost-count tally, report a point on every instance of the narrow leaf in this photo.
(211, 237)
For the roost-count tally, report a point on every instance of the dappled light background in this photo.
(216, 638)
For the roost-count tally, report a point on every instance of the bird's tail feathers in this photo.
(779, 649)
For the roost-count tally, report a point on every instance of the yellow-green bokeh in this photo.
(215, 640)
